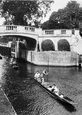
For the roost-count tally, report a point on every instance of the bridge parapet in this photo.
(30, 28)
(59, 32)
(16, 28)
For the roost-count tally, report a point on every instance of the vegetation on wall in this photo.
(47, 45)
(63, 45)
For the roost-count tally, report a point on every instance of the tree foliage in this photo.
(45, 25)
(66, 18)
(25, 12)
(47, 45)
(63, 45)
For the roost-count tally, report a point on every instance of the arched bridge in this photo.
(25, 31)
(36, 35)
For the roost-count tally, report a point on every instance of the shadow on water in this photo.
(68, 107)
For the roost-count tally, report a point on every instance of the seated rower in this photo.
(55, 89)
(43, 75)
(11, 61)
(50, 88)
(42, 78)
(37, 76)
(61, 96)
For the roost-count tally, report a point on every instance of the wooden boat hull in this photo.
(64, 100)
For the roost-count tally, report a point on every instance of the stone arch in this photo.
(63, 45)
(47, 45)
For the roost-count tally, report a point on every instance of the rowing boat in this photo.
(60, 97)
(15, 66)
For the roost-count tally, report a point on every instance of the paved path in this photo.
(5, 106)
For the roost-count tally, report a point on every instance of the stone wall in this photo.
(53, 58)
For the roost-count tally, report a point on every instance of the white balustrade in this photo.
(32, 30)
(48, 32)
(62, 32)
(51, 32)
(11, 28)
(15, 28)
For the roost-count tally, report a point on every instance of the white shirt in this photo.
(50, 88)
(56, 90)
(37, 75)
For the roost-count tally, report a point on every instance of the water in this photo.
(28, 98)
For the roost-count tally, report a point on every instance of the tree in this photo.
(25, 12)
(45, 25)
(73, 9)
(66, 18)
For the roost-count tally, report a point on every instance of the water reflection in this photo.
(30, 99)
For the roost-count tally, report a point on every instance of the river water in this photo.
(28, 98)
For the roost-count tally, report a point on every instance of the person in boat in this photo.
(11, 61)
(61, 96)
(37, 76)
(14, 61)
(45, 72)
(50, 88)
(42, 78)
(43, 75)
(55, 89)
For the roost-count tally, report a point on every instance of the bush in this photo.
(47, 45)
(63, 45)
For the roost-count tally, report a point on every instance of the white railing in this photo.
(33, 30)
(12, 28)
(49, 32)
(30, 28)
(15, 28)
(62, 32)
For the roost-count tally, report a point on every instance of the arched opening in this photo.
(31, 42)
(63, 45)
(47, 45)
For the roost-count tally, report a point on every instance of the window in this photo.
(63, 31)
